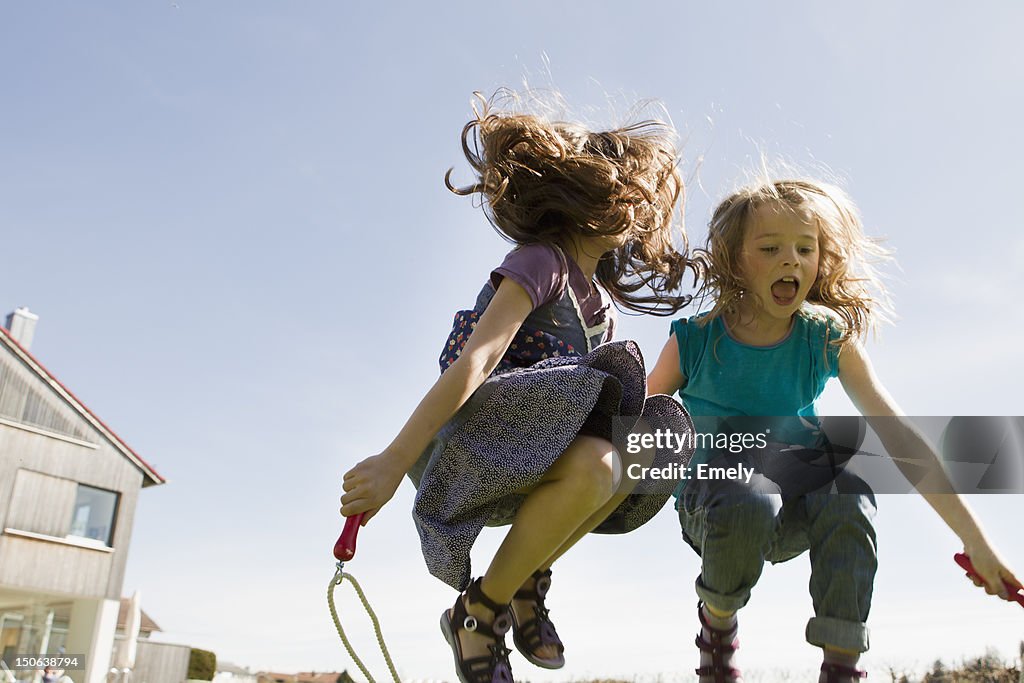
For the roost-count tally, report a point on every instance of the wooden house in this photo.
(68, 490)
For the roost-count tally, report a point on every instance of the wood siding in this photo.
(24, 398)
(41, 503)
(160, 663)
(34, 464)
(31, 564)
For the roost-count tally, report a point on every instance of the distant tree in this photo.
(202, 665)
(897, 676)
(343, 677)
(989, 663)
(938, 674)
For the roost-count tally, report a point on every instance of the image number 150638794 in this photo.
(66, 662)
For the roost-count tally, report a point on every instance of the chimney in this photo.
(22, 326)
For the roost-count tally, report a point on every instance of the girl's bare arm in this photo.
(912, 453)
(372, 482)
(666, 377)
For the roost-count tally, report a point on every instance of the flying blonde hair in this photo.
(848, 282)
(542, 181)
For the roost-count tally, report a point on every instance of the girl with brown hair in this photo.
(519, 427)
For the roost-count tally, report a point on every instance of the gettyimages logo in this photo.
(976, 454)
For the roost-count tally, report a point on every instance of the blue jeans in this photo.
(735, 527)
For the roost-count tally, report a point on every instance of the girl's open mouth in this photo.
(784, 290)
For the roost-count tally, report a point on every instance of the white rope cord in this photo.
(339, 576)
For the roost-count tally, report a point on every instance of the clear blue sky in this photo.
(231, 220)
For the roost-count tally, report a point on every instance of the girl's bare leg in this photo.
(524, 608)
(626, 486)
(570, 494)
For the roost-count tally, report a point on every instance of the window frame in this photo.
(108, 542)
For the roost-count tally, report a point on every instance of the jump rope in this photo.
(345, 550)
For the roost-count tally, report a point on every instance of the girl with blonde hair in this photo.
(788, 268)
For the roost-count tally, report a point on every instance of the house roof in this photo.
(150, 476)
(146, 624)
(301, 677)
(314, 677)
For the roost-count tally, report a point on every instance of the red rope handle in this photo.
(345, 546)
(1014, 594)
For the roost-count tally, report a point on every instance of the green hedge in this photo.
(202, 665)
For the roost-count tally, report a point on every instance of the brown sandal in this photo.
(534, 633)
(836, 672)
(721, 647)
(492, 668)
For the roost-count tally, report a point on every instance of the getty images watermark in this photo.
(977, 454)
(668, 440)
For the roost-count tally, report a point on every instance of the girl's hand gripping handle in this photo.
(345, 546)
(1015, 594)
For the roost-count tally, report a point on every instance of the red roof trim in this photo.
(118, 441)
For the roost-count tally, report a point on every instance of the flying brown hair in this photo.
(543, 181)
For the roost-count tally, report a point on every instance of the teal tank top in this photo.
(727, 378)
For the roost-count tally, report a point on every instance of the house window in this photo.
(94, 513)
(58, 637)
(10, 636)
